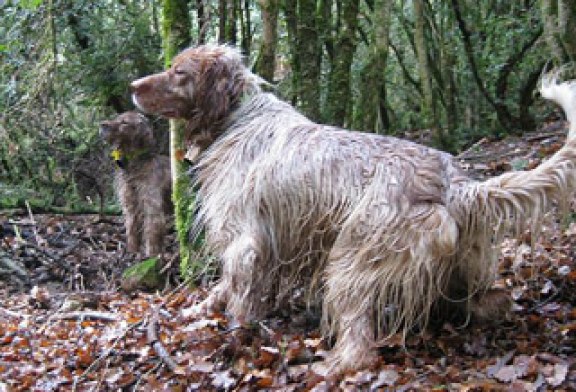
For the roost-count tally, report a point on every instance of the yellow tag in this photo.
(116, 155)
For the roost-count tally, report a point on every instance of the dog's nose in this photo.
(139, 86)
(104, 128)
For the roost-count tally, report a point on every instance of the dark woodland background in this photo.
(449, 72)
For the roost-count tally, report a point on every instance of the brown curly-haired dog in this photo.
(143, 181)
(384, 233)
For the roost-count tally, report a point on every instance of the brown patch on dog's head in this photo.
(203, 86)
(129, 131)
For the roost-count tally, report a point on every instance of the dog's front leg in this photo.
(132, 219)
(241, 289)
(354, 348)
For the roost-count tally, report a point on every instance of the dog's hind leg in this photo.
(154, 232)
(348, 303)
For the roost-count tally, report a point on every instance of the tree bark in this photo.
(246, 27)
(175, 37)
(291, 16)
(427, 105)
(265, 64)
(339, 95)
(371, 114)
(548, 12)
(567, 25)
(222, 19)
(309, 55)
(203, 21)
(231, 35)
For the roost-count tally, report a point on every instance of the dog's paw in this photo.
(494, 305)
(338, 362)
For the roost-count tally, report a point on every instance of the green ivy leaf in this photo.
(30, 4)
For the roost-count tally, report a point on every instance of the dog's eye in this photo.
(179, 72)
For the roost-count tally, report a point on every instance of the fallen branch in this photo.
(14, 268)
(10, 313)
(37, 237)
(87, 315)
(152, 337)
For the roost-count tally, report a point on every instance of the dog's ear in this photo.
(220, 85)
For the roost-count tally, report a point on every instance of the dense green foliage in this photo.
(66, 65)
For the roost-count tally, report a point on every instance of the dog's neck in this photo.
(122, 158)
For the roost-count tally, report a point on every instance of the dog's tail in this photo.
(513, 199)
(564, 94)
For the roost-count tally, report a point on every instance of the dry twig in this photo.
(152, 336)
(88, 314)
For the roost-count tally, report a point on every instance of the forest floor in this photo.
(66, 325)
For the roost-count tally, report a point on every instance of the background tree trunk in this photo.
(339, 97)
(230, 32)
(549, 15)
(246, 27)
(371, 114)
(203, 21)
(566, 23)
(265, 63)
(308, 54)
(175, 37)
(427, 103)
(222, 20)
(559, 18)
(290, 7)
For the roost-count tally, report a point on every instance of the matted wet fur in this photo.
(142, 181)
(382, 232)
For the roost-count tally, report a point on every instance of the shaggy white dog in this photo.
(383, 233)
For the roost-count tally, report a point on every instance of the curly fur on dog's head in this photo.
(203, 86)
(381, 232)
(128, 132)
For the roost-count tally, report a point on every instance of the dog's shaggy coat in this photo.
(383, 233)
(142, 181)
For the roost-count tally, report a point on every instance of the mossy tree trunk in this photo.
(371, 113)
(266, 58)
(424, 70)
(245, 15)
(559, 20)
(175, 37)
(227, 31)
(338, 97)
(203, 21)
(308, 51)
(306, 54)
(289, 7)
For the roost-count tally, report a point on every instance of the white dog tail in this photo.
(513, 199)
(564, 94)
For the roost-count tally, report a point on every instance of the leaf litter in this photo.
(65, 326)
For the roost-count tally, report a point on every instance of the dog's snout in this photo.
(139, 86)
(104, 127)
